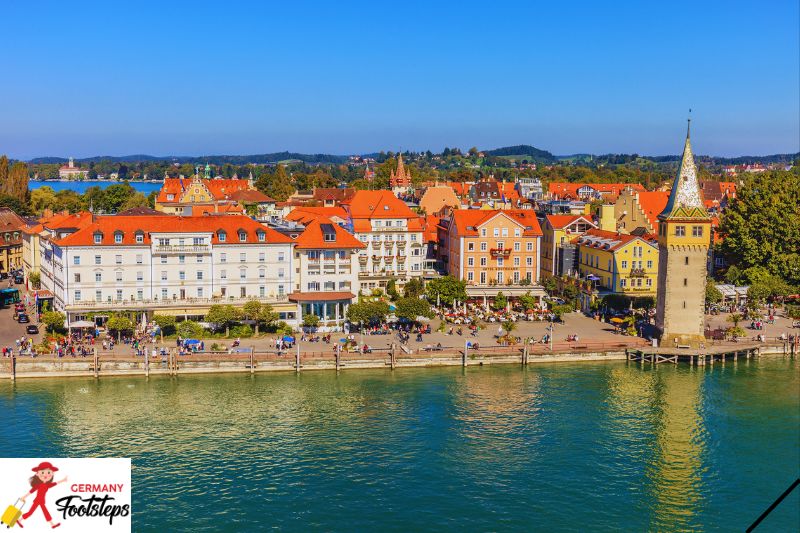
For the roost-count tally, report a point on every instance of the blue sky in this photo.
(238, 77)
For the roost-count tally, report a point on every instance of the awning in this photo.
(82, 324)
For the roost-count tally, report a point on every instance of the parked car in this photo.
(18, 280)
(23, 318)
(3, 275)
(32, 329)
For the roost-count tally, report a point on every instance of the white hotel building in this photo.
(168, 265)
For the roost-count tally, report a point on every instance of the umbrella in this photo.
(421, 318)
(82, 324)
(287, 338)
(617, 320)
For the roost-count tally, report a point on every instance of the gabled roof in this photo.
(332, 194)
(313, 236)
(652, 204)
(307, 214)
(129, 226)
(468, 221)
(562, 221)
(559, 189)
(377, 204)
(139, 211)
(611, 240)
(219, 188)
(437, 197)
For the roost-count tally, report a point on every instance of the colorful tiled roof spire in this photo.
(685, 199)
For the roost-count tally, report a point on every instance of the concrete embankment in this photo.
(104, 365)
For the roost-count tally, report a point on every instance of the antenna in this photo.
(689, 123)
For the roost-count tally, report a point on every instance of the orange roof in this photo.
(109, 225)
(652, 204)
(250, 196)
(220, 209)
(304, 214)
(220, 189)
(467, 221)
(565, 189)
(610, 240)
(313, 236)
(377, 204)
(437, 197)
(431, 231)
(562, 221)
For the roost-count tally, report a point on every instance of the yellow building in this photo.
(617, 263)
(559, 255)
(11, 226)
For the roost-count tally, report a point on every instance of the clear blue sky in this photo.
(197, 78)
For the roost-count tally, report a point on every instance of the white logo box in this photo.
(89, 482)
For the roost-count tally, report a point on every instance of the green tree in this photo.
(165, 323)
(509, 326)
(735, 318)
(762, 224)
(259, 313)
(550, 285)
(53, 321)
(135, 200)
(414, 288)
(367, 312)
(36, 279)
(527, 301)
(189, 329)
(560, 310)
(713, 296)
(447, 288)
(310, 320)
(500, 302)
(277, 185)
(42, 198)
(119, 323)
(391, 289)
(222, 316)
(411, 308)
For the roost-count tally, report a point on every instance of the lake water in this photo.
(562, 447)
(81, 186)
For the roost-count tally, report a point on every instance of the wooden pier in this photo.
(694, 356)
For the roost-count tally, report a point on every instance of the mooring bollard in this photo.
(252, 359)
(338, 352)
(146, 364)
(96, 362)
(13, 367)
(297, 359)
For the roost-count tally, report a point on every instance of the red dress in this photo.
(40, 490)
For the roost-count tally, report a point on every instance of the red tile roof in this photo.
(313, 237)
(220, 189)
(562, 221)
(304, 214)
(652, 204)
(467, 221)
(377, 204)
(108, 225)
(250, 196)
(570, 190)
(610, 240)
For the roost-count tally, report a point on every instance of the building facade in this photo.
(179, 195)
(559, 253)
(167, 265)
(684, 234)
(392, 234)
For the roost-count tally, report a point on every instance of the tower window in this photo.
(697, 231)
(686, 260)
(684, 304)
(685, 282)
(680, 231)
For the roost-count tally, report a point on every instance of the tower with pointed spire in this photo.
(400, 179)
(684, 231)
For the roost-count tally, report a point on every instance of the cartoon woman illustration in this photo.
(41, 482)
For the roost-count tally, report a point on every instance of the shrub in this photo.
(189, 329)
(243, 330)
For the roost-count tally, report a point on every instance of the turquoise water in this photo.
(564, 447)
(81, 186)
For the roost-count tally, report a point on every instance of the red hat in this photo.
(43, 466)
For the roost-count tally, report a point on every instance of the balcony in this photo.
(401, 244)
(505, 253)
(168, 303)
(180, 248)
(388, 244)
(363, 259)
(638, 273)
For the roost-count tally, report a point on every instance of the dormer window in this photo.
(98, 238)
(330, 237)
(170, 197)
(118, 237)
(242, 236)
(139, 237)
(261, 236)
(222, 236)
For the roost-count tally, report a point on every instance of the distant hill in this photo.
(258, 159)
(523, 151)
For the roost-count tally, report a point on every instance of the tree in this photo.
(277, 186)
(119, 324)
(527, 301)
(549, 284)
(36, 279)
(20, 207)
(42, 198)
(53, 321)
(411, 308)
(367, 312)
(164, 322)
(713, 296)
(560, 310)
(509, 326)
(268, 317)
(762, 224)
(447, 289)
(223, 316)
(259, 313)
(414, 288)
(189, 329)
(500, 302)
(735, 318)
(391, 289)
(310, 320)
(135, 200)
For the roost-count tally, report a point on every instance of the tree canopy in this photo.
(411, 308)
(447, 288)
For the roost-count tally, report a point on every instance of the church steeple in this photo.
(685, 199)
